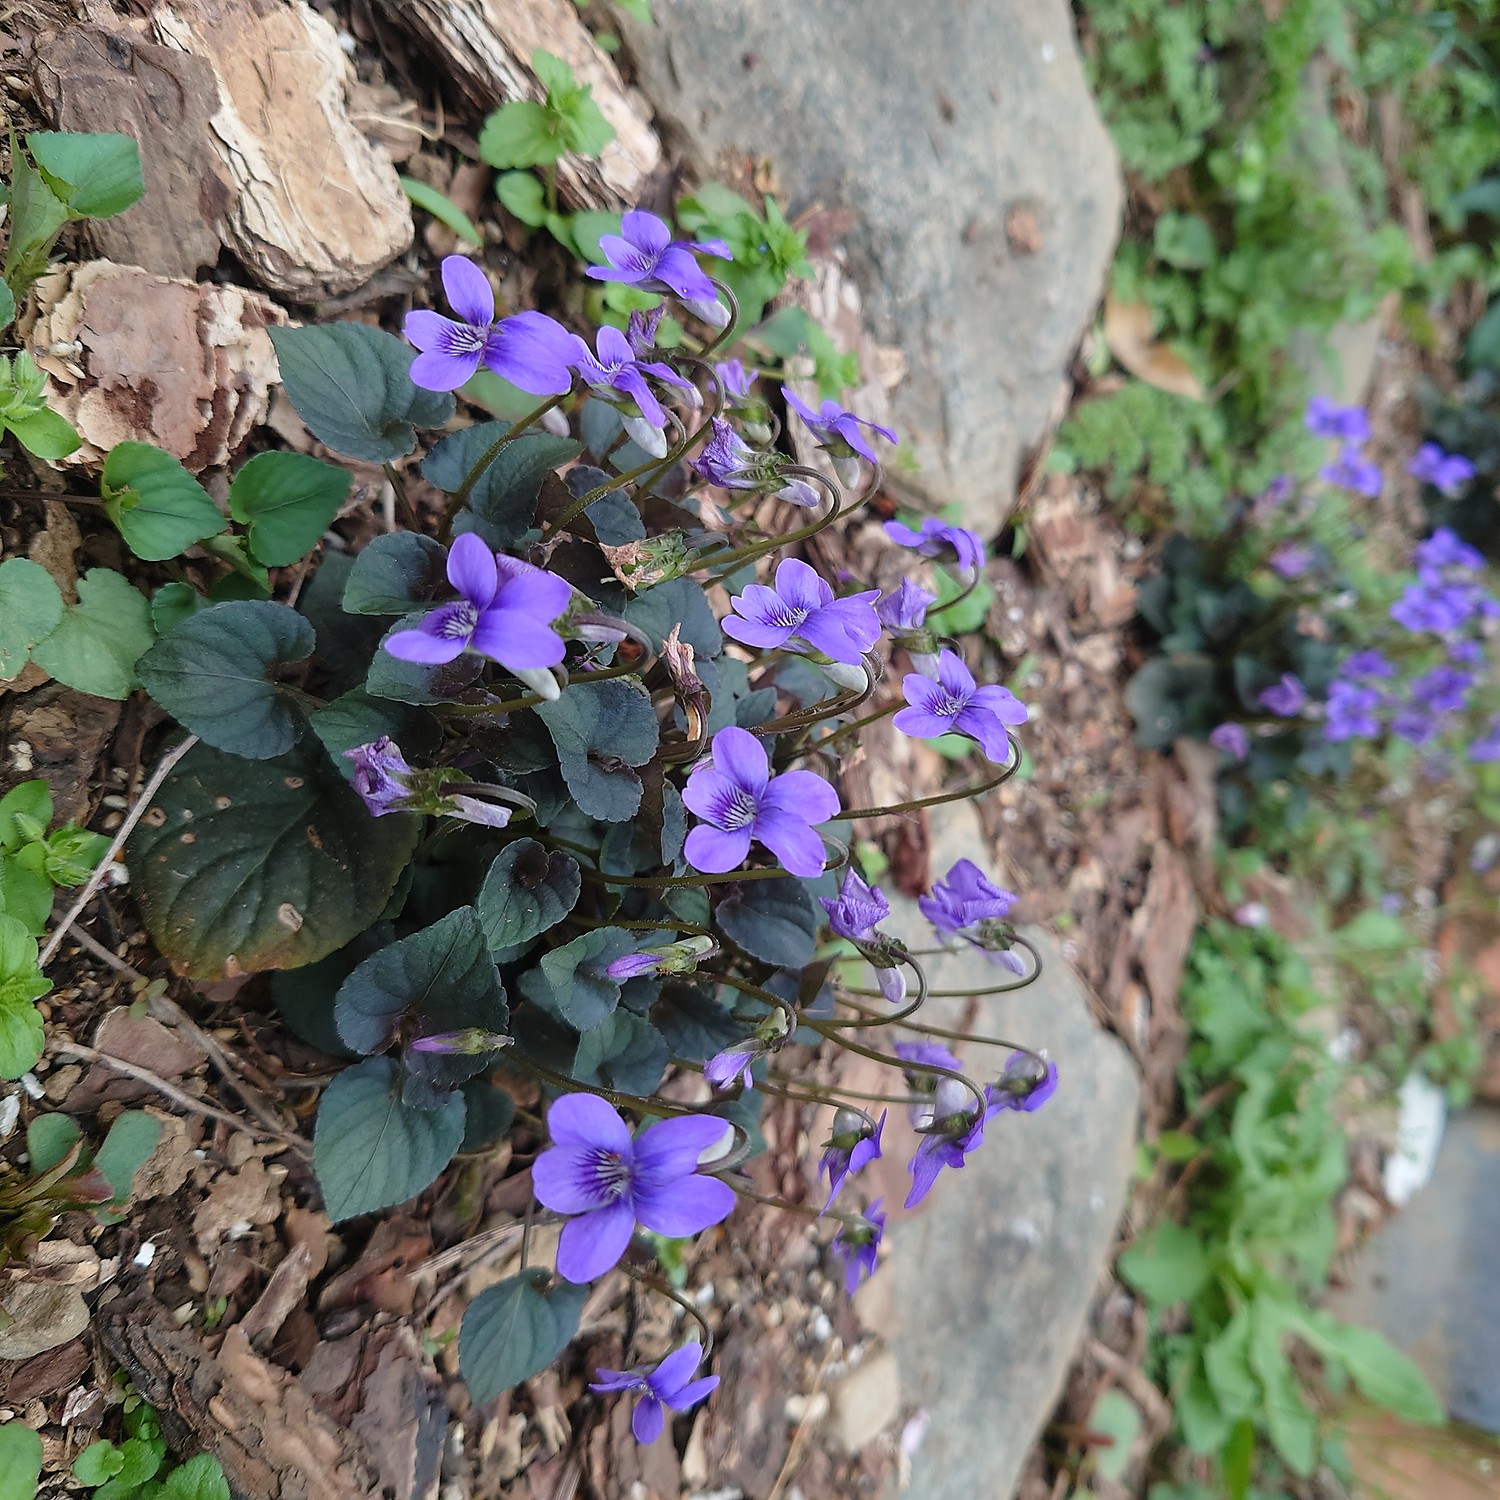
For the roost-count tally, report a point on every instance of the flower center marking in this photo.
(458, 622)
(611, 1173)
(739, 810)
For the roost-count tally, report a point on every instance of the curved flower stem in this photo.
(642, 1105)
(460, 496)
(895, 1017)
(806, 718)
(656, 1284)
(530, 700)
(843, 729)
(805, 1209)
(833, 1034)
(737, 557)
(960, 1036)
(756, 992)
(800, 1098)
(672, 925)
(927, 994)
(728, 331)
(958, 599)
(729, 877)
(403, 500)
(1005, 773)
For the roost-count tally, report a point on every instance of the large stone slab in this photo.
(985, 191)
(994, 1274)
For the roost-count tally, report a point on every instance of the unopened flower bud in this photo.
(470, 1042)
(892, 983)
(853, 678)
(924, 662)
(646, 436)
(541, 680)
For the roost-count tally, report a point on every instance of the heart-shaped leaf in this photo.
(97, 642)
(213, 675)
(96, 175)
(395, 573)
(355, 718)
(31, 605)
(488, 1115)
(772, 920)
(601, 729)
(288, 501)
(418, 682)
(352, 385)
(247, 865)
(571, 983)
(373, 1150)
(513, 1329)
(505, 496)
(693, 1023)
(677, 602)
(160, 509)
(622, 1052)
(21, 1453)
(526, 891)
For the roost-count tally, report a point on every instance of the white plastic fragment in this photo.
(145, 1255)
(1419, 1132)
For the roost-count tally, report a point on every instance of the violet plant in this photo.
(544, 787)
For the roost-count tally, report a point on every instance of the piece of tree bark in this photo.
(484, 47)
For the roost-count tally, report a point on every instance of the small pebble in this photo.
(145, 1255)
(33, 1087)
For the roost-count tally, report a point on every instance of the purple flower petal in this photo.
(708, 792)
(921, 723)
(684, 1206)
(672, 1147)
(1002, 703)
(801, 586)
(645, 231)
(566, 1180)
(690, 1395)
(468, 291)
(534, 590)
(471, 564)
(794, 844)
(427, 329)
(533, 352)
(987, 730)
(804, 795)
(742, 757)
(593, 1243)
(715, 852)
(587, 1120)
(425, 646)
(439, 371)
(955, 676)
(674, 1372)
(677, 270)
(647, 1420)
(517, 640)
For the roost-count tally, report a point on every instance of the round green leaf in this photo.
(21, 1461)
(247, 865)
(395, 573)
(97, 176)
(211, 674)
(513, 1329)
(601, 729)
(98, 1462)
(772, 920)
(200, 1478)
(372, 1150)
(31, 605)
(571, 983)
(96, 644)
(288, 501)
(526, 891)
(622, 1052)
(160, 508)
(352, 385)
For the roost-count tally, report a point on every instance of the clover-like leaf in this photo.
(288, 500)
(515, 1328)
(21, 984)
(96, 644)
(772, 920)
(200, 1478)
(31, 606)
(527, 890)
(622, 1052)
(373, 1150)
(504, 497)
(395, 573)
(352, 385)
(160, 509)
(571, 983)
(601, 730)
(213, 675)
(247, 865)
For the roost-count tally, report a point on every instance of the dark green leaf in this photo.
(418, 682)
(96, 176)
(488, 1112)
(601, 730)
(351, 384)
(678, 602)
(693, 1023)
(304, 996)
(772, 920)
(571, 984)
(126, 1149)
(513, 1329)
(288, 500)
(49, 1138)
(355, 718)
(95, 646)
(505, 495)
(372, 1150)
(622, 1052)
(247, 865)
(395, 573)
(213, 674)
(442, 977)
(526, 891)
(160, 508)
(31, 606)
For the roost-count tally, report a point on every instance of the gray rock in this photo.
(985, 190)
(1430, 1279)
(994, 1275)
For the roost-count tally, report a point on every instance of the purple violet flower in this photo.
(1414, 724)
(609, 1181)
(634, 966)
(1347, 424)
(858, 1246)
(1351, 471)
(1445, 472)
(737, 381)
(1486, 748)
(729, 462)
(1443, 690)
(1367, 665)
(1027, 1083)
(1351, 712)
(905, 607)
(640, 330)
(667, 1384)
(1286, 698)
(471, 1041)
(854, 912)
(505, 612)
(940, 539)
(1446, 549)
(378, 768)
(645, 255)
(739, 801)
(725, 1069)
(1291, 560)
(854, 1144)
(530, 350)
(957, 1129)
(616, 372)
(964, 897)
(801, 613)
(837, 430)
(1232, 739)
(953, 703)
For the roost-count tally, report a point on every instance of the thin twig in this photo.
(481, 1243)
(169, 1090)
(490, 1253)
(95, 880)
(90, 944)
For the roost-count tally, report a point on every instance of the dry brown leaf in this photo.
(1127, 330)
